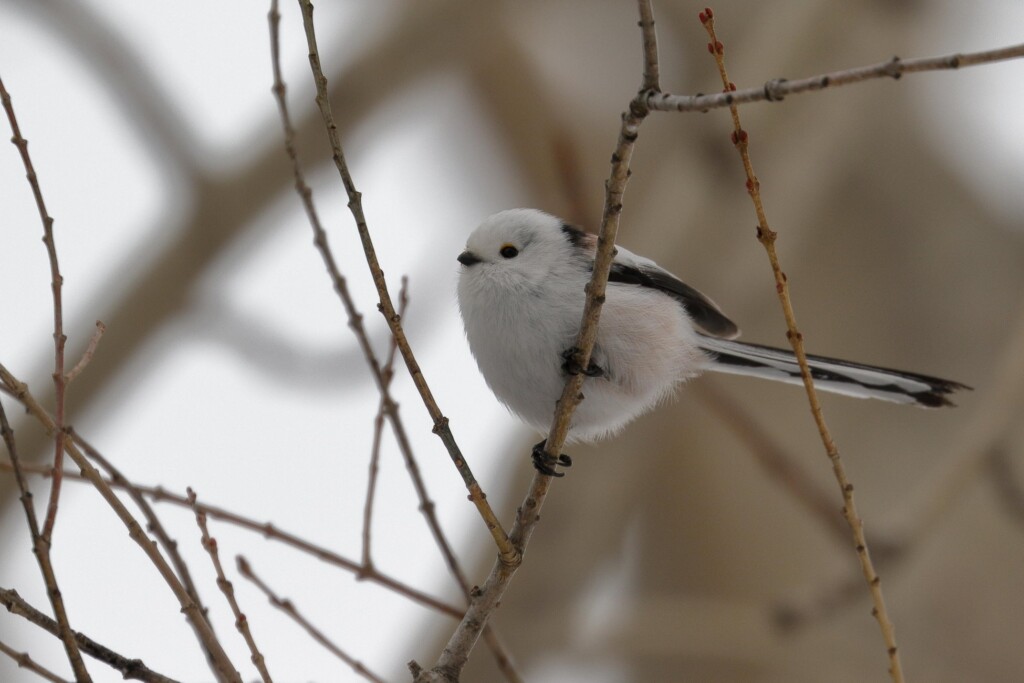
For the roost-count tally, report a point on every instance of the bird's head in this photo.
(522, 248)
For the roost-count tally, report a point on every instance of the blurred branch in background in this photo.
(856, 164)
(1007, 482)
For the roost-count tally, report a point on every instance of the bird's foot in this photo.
(572, 365)
(545, 463)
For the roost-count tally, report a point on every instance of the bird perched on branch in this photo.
(521, 294)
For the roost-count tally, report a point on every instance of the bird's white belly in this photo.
(519, 347)
(521, 362)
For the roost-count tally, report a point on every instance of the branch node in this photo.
(894, 68)
(773, 90)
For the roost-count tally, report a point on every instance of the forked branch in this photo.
(506, 550)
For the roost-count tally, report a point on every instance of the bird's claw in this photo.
(572, 365)
(545, 463)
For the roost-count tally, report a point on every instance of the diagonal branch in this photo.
(456, 653)
(24, 661)
(771, 456)
(387, 374)
(767, 237)
(387, 308)
(382, 373)
(59, 338)
(129, 668)
(41, 549)
(154, 526)
(289, 608)
(224, 667)
(209, 544)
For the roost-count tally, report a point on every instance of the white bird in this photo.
(521, 295)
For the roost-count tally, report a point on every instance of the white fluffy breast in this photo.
(517, 335)
(646, 345)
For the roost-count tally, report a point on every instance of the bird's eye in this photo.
(509, 251)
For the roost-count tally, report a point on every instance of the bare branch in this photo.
(241, 622)
(382, 374)
(441, 428)
(188, 606)
(271, 532)
(129, 668)
(767, 237)
(651, 81)
(24, 661)
(288, 608)
(41, 549)
(615, 187)
(455, 655)
(776, 89)
(387, 374)
(154, 526)
(89, 351)
(59, 339)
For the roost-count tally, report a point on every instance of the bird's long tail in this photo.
(830, 374)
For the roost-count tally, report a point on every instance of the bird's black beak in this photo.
(468, 258)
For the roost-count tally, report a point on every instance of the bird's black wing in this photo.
(702, 310)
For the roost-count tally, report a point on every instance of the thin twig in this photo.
(387, 374)
(382, 374)
(776, 89)
(241, 621)
(41, 549)
(338, 281)
(981, 442)
(456, 653)
(288, 608)
(271, 532)
(382, 378)
(135, 531)
(129, 668)
(154, 526)
(506, 549)
(24, 661)
(56, 283)
(502, 657)
(767, 237)
(89, 351)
